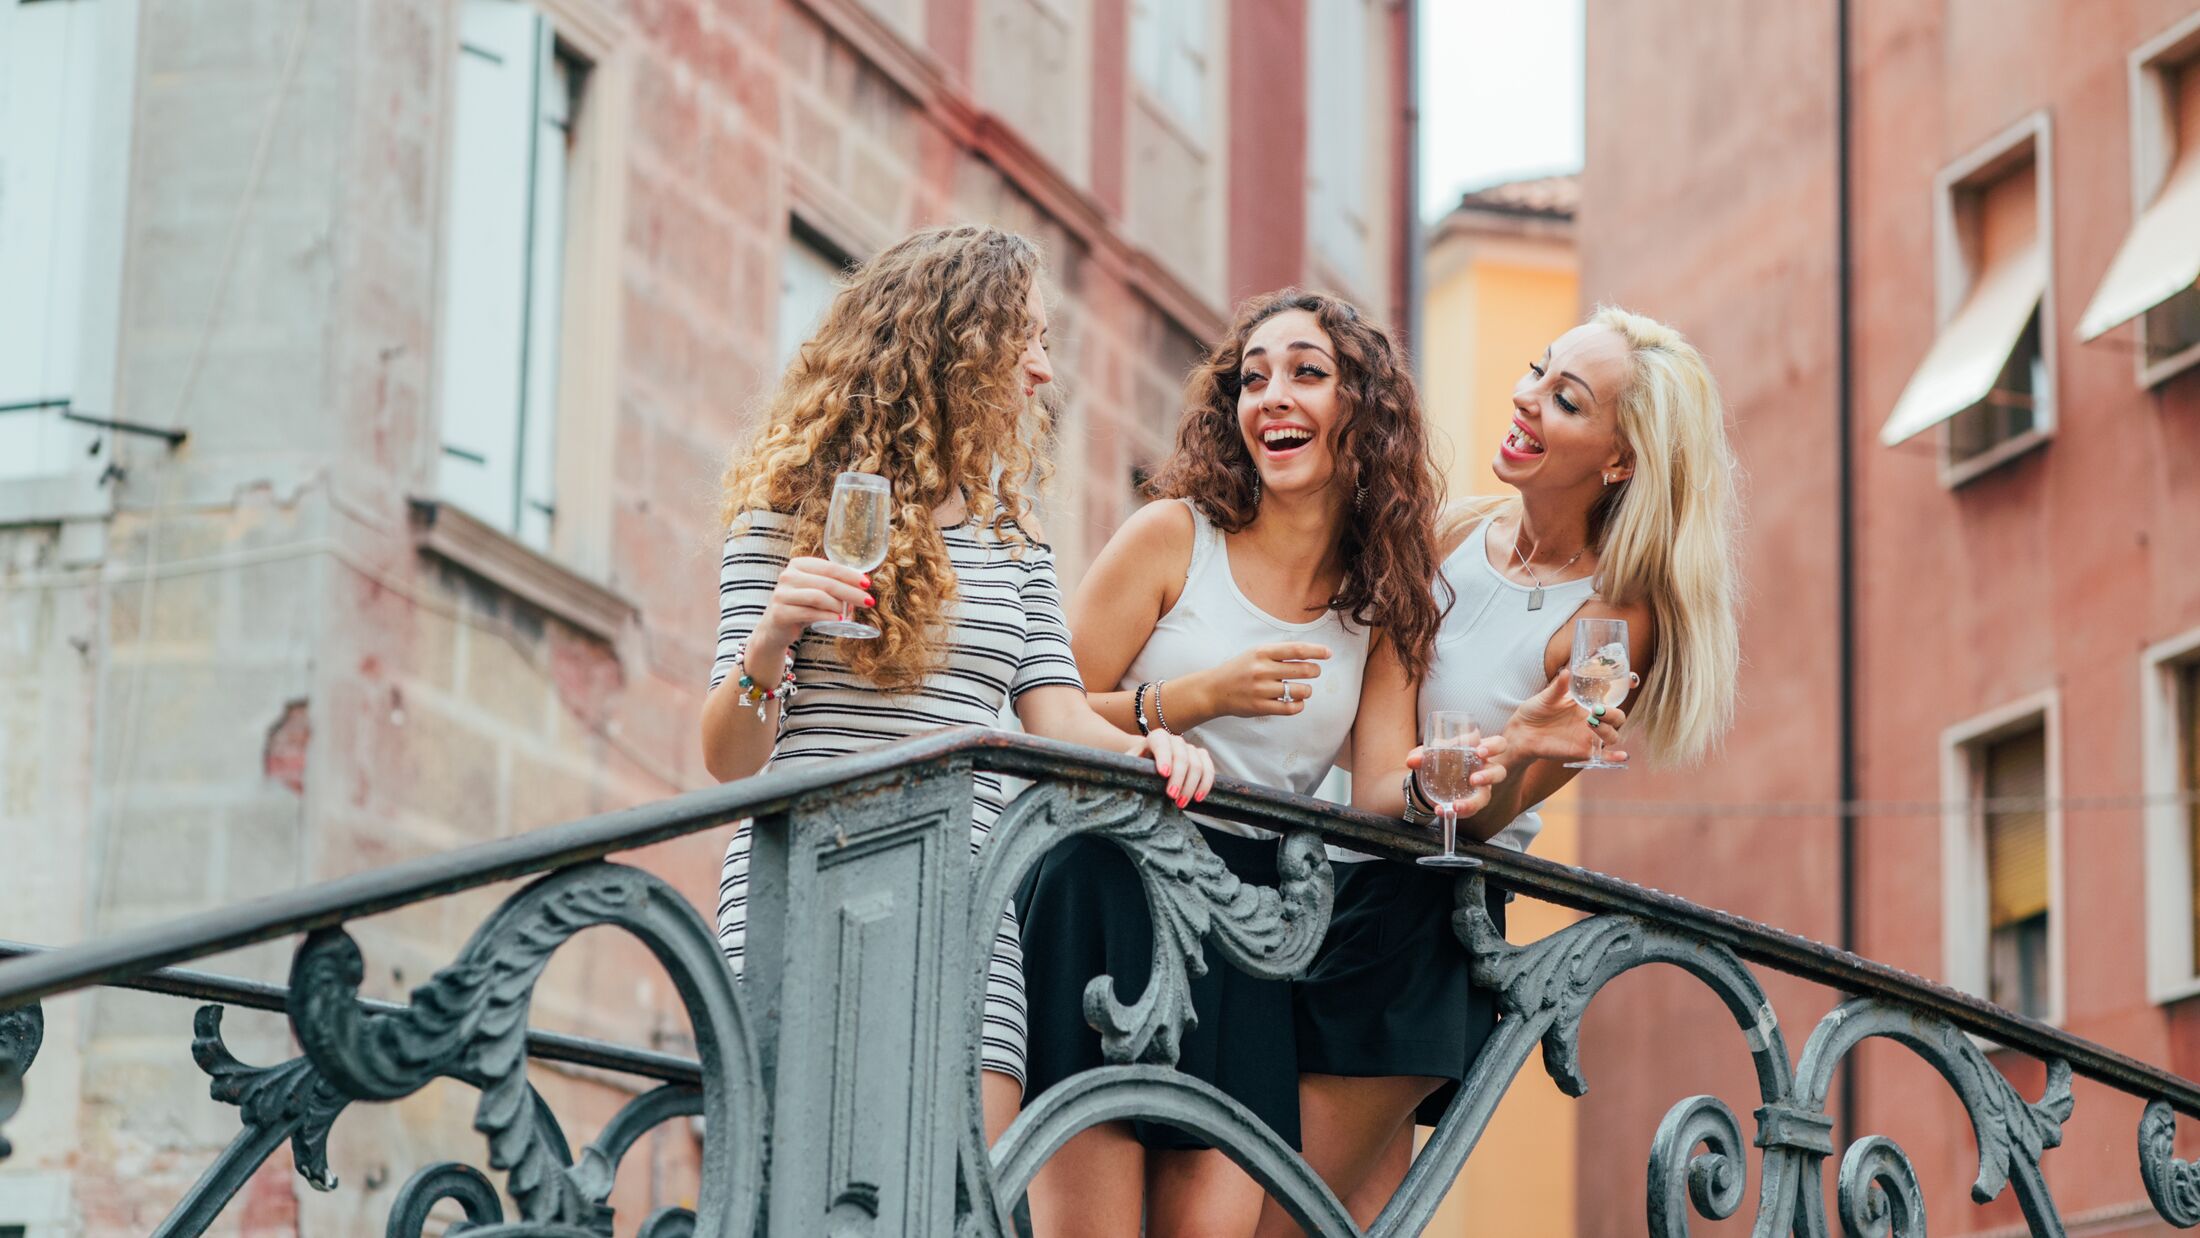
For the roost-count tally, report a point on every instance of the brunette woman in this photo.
(925, 372)
(1293, 560)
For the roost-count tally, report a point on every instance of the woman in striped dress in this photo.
(925, 371)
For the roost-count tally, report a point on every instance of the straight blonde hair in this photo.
(1665, 537)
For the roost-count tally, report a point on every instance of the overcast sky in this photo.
(1500, 93)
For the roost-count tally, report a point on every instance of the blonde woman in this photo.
(1625, 509)
(925, 371)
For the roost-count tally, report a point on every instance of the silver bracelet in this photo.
(1160, 720)
(1418, 810)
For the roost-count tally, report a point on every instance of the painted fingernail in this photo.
(866, 582)
(868, 600)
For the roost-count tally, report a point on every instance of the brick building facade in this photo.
(436, 562)
(2025, 521)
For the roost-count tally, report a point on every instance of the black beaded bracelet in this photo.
(1138, 708)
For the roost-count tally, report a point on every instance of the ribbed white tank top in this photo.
(1213, 621)
(1489, 650)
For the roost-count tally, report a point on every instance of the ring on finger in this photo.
(1286, 691)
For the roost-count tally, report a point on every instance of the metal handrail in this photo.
(137, 953)
(245, 994)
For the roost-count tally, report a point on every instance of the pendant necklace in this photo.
(1535, 595)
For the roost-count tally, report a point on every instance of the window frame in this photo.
(1146, 95)
(590, 301)
(2173, 974)
(80, 492)
(1954, 278)
(2154, 149)
(1965, 897)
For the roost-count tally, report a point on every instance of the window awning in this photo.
(1963, 363)
(2160, 258)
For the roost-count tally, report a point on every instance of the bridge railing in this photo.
(838, 1081)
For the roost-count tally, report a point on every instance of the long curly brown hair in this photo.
(1388, 541)
(914, 375)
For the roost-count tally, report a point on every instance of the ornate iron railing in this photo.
(839, 1080)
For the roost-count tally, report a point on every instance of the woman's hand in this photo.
(1488, 774)
(1190, 771)
(1250, 685)
(809, 591)
(1552, 726)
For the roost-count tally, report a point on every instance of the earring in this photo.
(1256, 489)
(1609, 479)
(1359, 495)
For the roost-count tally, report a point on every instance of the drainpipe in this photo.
(1845, 474)
(1412, 244)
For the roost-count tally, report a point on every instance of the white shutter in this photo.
(555, 84)
(1338, 132)
(485, 300)
(49, 73)
(808, 281)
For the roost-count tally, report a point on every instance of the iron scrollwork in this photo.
(469, 1021)
(1192, 898)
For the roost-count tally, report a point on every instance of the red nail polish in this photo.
(868, 600)
(866, 582)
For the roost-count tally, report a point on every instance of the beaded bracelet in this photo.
(1160, 719)
(1138, 708)
(753, 695)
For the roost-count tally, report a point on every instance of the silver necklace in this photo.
(1535, 595)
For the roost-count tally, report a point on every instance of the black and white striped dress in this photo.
(1007, 637)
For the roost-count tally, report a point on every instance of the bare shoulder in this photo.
(1147, 556)
(1459, 519)
(1160, 529)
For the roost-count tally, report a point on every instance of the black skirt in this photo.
(1389, 993)
(1084, 914)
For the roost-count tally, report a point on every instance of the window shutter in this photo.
(808, 282)
(2188, 734)
(557, 80)
(486, 303)
(2016, 838)
(49, 73)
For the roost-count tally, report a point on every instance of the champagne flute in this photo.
(857, 530)
(1449, 755)
(1600, 677)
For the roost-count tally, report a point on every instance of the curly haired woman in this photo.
(1301, 540)
(925, 371)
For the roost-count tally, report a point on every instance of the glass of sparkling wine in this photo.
(1600, 677)
(856, 533)
(1448, 757)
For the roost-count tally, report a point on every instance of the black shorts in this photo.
(1084, 914)
(1389, 992)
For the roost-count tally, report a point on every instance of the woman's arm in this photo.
(1063, 713)
(765, 601)
(1384, 735)
(1131, 585)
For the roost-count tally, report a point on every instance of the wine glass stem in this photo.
(1451, 829)
(1596, 747)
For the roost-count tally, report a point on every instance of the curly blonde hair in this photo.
(913, 375)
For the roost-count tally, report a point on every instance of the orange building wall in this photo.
(1493, 303)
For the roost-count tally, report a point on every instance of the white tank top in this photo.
(1213, 621)
(1489, 650)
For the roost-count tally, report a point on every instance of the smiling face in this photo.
(1565, 427)
(1288, 409)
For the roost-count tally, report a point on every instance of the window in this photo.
(2009, 798)
(2170, 756)
(60, 236)
(2002, 865)
(1337, 51)
(518, 92)
(1987, 381)
(809, 277)
(2152, 278)
(1169, 42)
